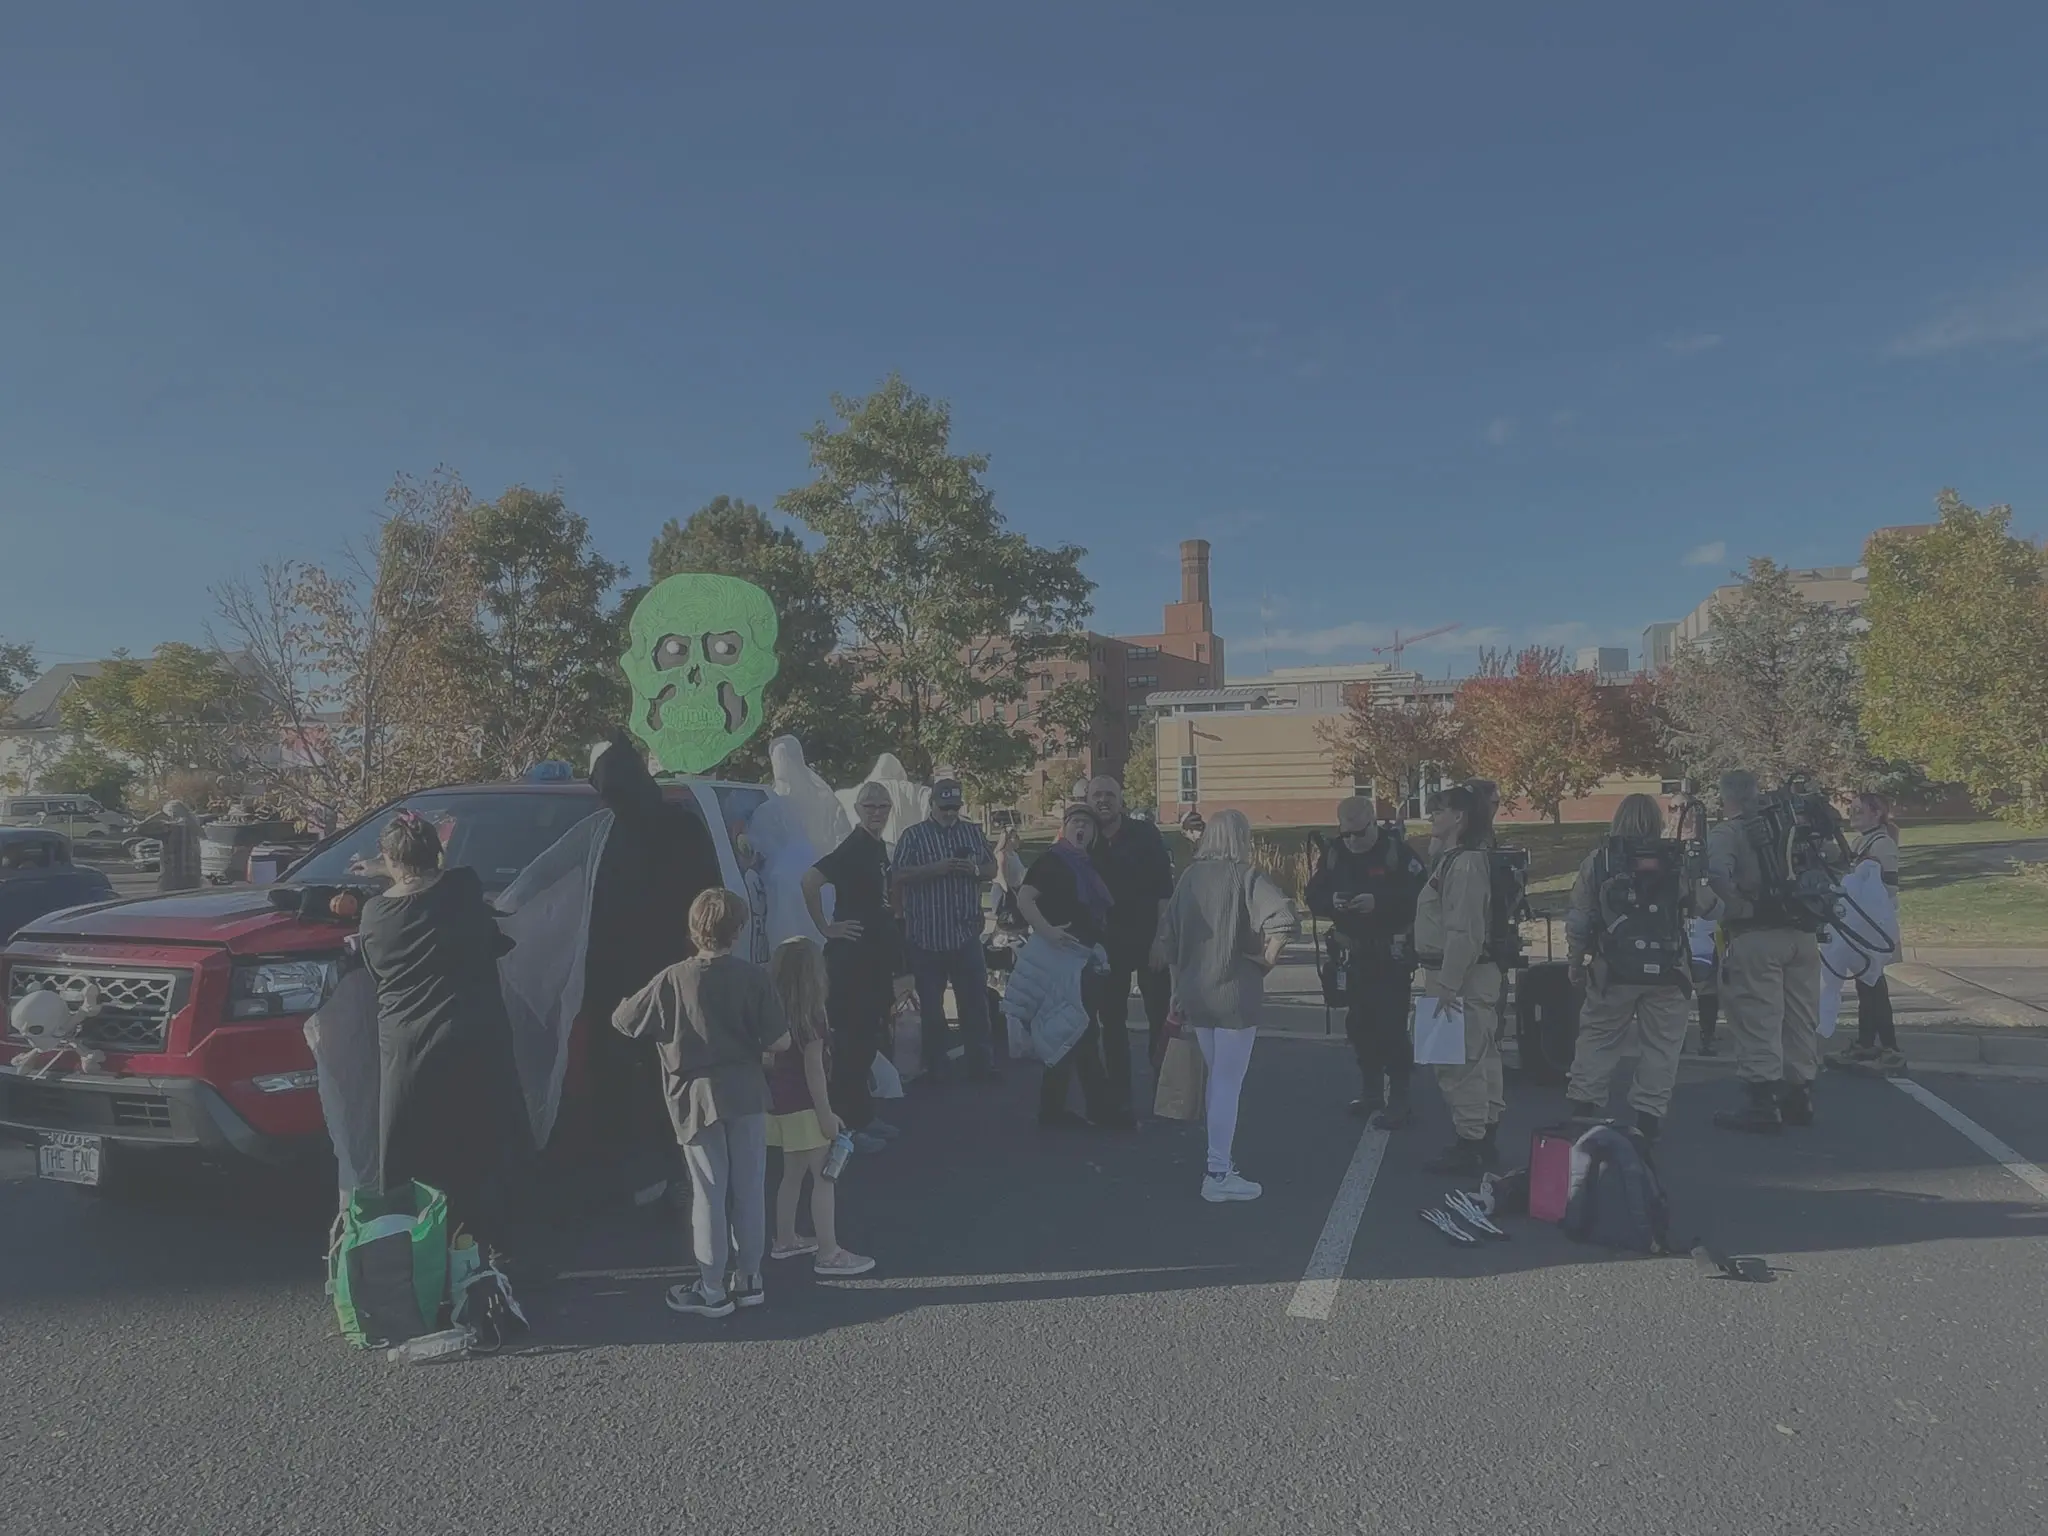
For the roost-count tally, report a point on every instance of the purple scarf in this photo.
(1088, 883)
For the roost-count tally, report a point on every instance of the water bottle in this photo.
(445, 1345)
(842, 1149)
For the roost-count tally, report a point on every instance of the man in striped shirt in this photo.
(941, 865)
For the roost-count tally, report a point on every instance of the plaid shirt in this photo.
(942, 914)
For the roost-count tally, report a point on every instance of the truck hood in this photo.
(241, 920)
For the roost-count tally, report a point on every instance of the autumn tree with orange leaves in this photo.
(1542, 731)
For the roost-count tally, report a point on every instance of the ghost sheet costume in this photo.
(909, 801)
(820, 817)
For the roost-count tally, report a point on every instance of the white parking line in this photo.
(1317, 1293)
(1991, 1146)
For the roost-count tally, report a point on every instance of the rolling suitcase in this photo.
(1546, 1021)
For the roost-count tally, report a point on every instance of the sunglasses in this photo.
(1359, 832)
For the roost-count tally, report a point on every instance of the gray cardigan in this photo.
(1215, 930)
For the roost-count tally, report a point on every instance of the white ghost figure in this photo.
(50, 1027)
(822, 820)
(776, 830)
(909, 801)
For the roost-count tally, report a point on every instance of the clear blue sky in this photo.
(1496, 316)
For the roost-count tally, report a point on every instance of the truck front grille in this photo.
(135, 1007)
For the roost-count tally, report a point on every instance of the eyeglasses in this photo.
(1359, 832)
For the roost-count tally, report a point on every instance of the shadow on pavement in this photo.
(976, 1206)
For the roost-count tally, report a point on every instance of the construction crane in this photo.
(1402, 642)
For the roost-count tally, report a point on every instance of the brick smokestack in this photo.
(1194, 572)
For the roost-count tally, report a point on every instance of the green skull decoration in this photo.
(703, 651)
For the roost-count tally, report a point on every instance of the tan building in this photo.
(1830, 586)
(1254, 747)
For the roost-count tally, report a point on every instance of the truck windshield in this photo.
(496, 834)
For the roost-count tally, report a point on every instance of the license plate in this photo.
(69, 1158)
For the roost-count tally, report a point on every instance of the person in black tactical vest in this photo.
(1629, 951)
(1366, 889)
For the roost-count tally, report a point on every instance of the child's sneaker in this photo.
(699, 1300)
(746, 1291)
(841, 1264)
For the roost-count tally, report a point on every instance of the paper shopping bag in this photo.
(1183, 1080)
(1439, 1034)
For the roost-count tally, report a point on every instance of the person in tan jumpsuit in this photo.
(1770, 978)
(1451, 921)
(1659, 1013)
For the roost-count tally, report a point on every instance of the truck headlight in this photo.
(286, 1082)
(265, 989)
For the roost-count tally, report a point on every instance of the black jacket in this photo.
(1392, 873)
(1139, 873)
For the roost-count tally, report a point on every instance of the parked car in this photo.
(79, 817)
(38, 877)
(205, 992)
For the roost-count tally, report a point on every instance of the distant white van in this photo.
(79, 817)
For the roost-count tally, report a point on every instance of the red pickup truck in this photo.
(203, 995)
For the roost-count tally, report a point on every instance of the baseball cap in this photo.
(947, 793)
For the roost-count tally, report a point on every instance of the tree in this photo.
(1537, 727)
(17, 669)
(1390, 742)
(185, 708)
(86, 769)
(1772, 688)
(538, 661)
(1635, 718)
(1955, 664)
(1141, 775)
(950, 611)
(814, 693)
(356, 660)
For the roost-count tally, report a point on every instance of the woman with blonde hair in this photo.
(1221, 936)
(1656, 1007)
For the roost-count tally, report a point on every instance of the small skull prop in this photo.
(46, 1021)
(703, 652)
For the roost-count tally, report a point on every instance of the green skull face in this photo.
(703, 651)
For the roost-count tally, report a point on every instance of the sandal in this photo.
(842, 1264)
(794, 1251)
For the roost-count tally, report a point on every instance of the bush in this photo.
(87, 770)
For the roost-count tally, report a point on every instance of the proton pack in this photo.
(1639, 896)
(1793, 831)
(1507, 907)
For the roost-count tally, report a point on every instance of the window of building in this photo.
(1141, 652)
(1136, 710)
(1671, 787)
(1144, 680)
(1361, 784)
(1190, 781)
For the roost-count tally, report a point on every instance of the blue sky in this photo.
(1532, 318)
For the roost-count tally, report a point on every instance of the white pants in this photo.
(1228, 1052)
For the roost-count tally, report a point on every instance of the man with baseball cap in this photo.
(941, 865)
(1366, 888)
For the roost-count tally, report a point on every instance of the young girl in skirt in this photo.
(800, 1118)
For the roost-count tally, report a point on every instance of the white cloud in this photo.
(1692, 343)
(1707, 554)
(1499, 430)
(2015, 315)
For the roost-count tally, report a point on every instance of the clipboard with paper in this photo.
(1439, 1031)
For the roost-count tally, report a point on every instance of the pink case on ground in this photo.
(1550, 1172)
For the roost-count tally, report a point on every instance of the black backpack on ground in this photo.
(1639, 898)
(1617, 1200)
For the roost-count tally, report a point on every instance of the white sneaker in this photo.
(1218, 1187)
